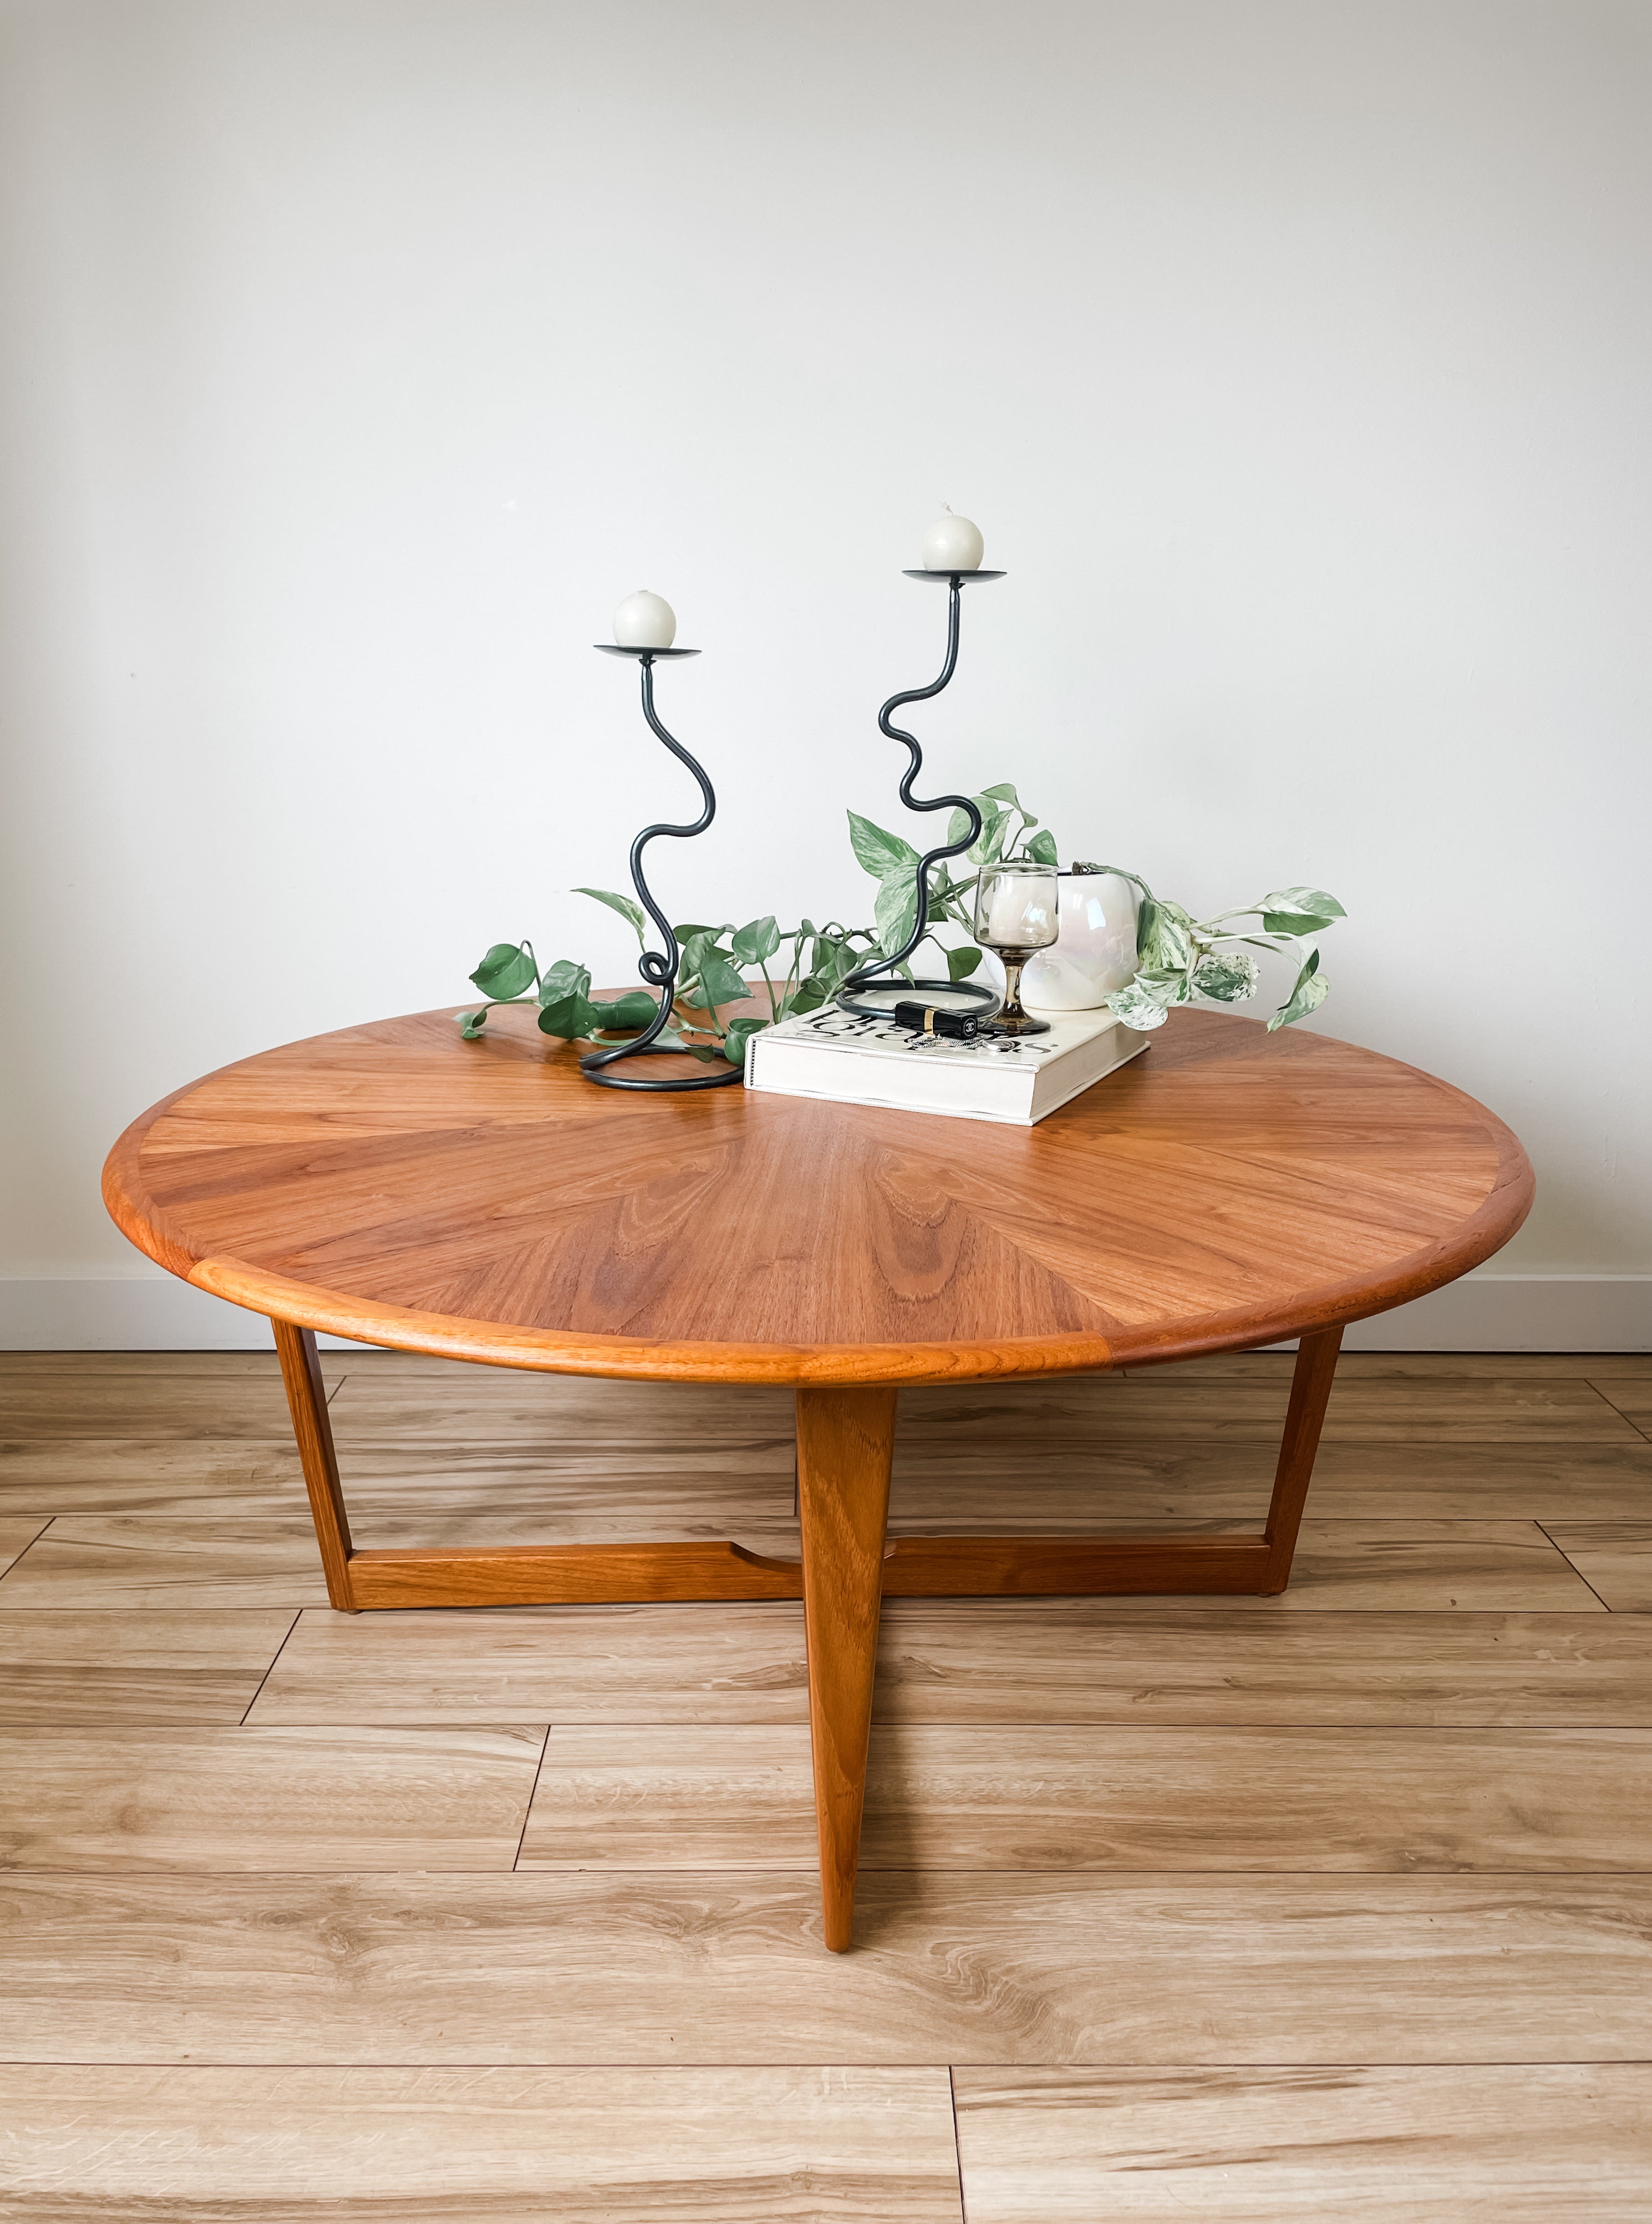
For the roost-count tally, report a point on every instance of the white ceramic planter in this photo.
(1095, 951)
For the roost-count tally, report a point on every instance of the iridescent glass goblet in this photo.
(1016, 916)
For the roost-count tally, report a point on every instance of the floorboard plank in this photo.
(1499, 1567)
(1403, 1366)
(998, 1485)
(215, 1800)
(1001, 1660)
(150, 1668)
(26, 1367)
(1475, 2145)
(1630, 1394)
(201, 1477)
(1064, 1798)
(993, 1486)
(383, 1402)
(544, 1968)
(17, 1533)
(135, 1402)
(1513, 1408)
(592, 1482)
(1614, 1557)
(1098, 1660)
(108, 1562)
(489, 2147)
(594, 1663)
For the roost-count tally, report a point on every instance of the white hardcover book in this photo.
(1017, 1080)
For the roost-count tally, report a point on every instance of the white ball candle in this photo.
(953, 544)
(645, 621)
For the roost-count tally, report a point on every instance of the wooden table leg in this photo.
(306, 1399)
(845, 1441)
(1315, 1371)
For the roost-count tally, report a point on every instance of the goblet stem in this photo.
(1012, 1017)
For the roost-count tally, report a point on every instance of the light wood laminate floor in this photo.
(1334, 1905)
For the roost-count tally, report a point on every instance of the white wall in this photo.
(358, 357)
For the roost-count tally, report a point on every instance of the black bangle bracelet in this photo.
(983, 1002)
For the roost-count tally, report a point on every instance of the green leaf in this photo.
(1298, 911)
(470, 1024)
(834, 960)
(756, 944)
(636, 1008)
(1229, 975)
(895, 912)
(565, 978)
(1005, 793)
(623, 905)
(719, 981)
(1143, 1003)
(989, 843)
(957, 826)
(505, 972)
(708, 969)
(740, 1033)
(878, 852)
(962, 962)
(1307, 997)
(809, 997)
(1042, 848)
(1161, 937)
(571, 1017)
(686, 934)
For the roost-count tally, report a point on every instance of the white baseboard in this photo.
(1483, 1312)
(126, 1312)
(1518, 1312)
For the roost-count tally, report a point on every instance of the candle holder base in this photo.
(592, 1068)
(1021, 1023)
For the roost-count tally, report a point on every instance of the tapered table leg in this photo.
(307, 1400)
(845, 1440)
(1315, 1371)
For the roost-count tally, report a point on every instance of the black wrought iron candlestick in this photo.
(660, 972)
(852, 995)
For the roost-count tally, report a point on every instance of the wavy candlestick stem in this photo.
(659, 970)
(866, 974)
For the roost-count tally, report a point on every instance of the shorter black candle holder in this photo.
(660, 972)
(965, 996)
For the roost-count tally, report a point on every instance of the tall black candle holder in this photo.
(851, 995)
(660, 972)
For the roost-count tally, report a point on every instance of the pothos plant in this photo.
(1179, 957)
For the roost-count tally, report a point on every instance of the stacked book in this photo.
(1017, 1079)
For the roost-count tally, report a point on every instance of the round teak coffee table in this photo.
(480, 1200)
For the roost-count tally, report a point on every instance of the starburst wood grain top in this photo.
(399, 1185)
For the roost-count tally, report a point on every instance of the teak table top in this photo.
(479, 1200)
